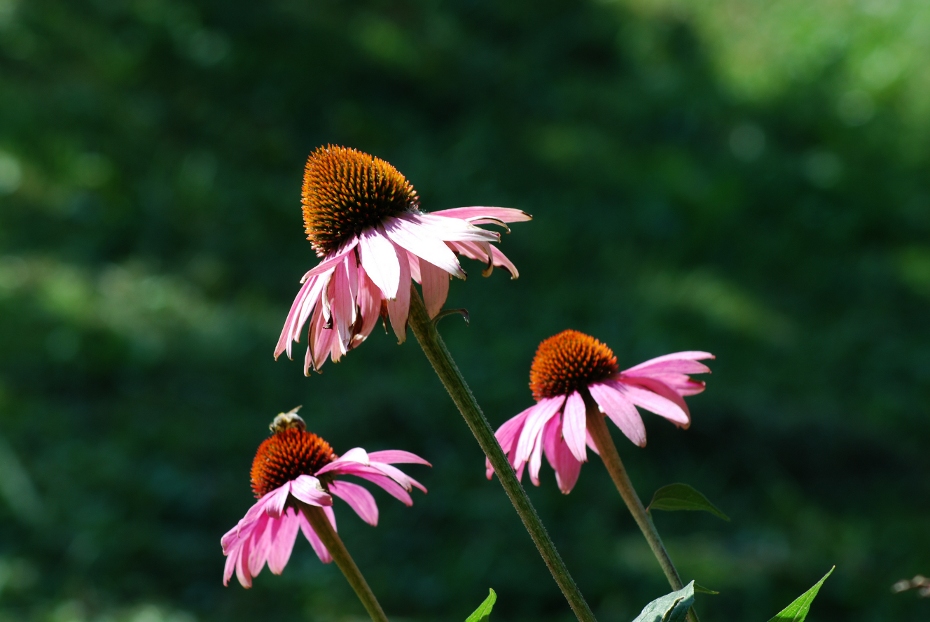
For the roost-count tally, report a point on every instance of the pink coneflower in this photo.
(293, 468)
(571, 371)
(363, 219)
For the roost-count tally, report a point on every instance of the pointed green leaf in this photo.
(797, 611)
(483, 612)
(669, 608)
(683, 497)
(700, 589)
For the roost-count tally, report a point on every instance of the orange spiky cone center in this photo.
(285, 455)
(568, 362)
(346, 191)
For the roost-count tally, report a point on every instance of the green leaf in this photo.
(483, 612)
(700, 589)
(683, 497)
(670, 608)
(797, 611)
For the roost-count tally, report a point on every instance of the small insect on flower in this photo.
(363, 219)
(573, 372)
(293, 469)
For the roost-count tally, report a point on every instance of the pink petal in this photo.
(574, 426)
(321, 338)
(380, 261)
(354, 456)
(283, 543)
(398, 476)
(550, 435)
(450, 229)
(501, 261)
(318, 547)
(369, 303)
(652, 402)
(506, 434)
(414, 266)
(396, 456)
(567, 468)
(303, 304)
(261, 544)
(400, 307)
(613, 401)
(535, 420)
(479, 251)
(675, 363)
(331, 260)
(424, 245)
(358, 499)
(477, 214)
(387, 484)
(308, 489)
(663, 390)
(435, 283)
(242, 566)
(343, 305)
(275, 500)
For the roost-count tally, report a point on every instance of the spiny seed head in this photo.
(568, 362)
(289, 452)
(346, 191)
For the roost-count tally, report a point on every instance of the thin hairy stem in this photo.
(425, 331)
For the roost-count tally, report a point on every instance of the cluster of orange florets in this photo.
(346, 191)
(569, 361)
(285, 455)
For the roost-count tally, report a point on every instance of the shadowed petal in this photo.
(573, 425)
(358, 498)
(613, 401)
(380, 261)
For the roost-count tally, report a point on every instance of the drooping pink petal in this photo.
(358, 498)
(308, 489)
(550, 435)
(613, 400)
(318, 547)
(573, 425)
(414, 266)
(675, 363)
(399, 307)
(567, 468)
(283, 542)
(261, 543)
(409, 235)
(435, 282)
(396, 456)
(349, 459)
(274, 501)
(480, 215)
(331, 260)
(369, 304)
(544, 410)
(501, 261)
(506, 435)
(380, 260)
(449, 229)
(651, 402)
(663, 390)
(681, 384)
(479, 251)
(385, 483)
(321, 339)
(398, 476)
(343, 305)
(242, 563)
(307, 297)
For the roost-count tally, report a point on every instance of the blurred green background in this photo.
(749, 178)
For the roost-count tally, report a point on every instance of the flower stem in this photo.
(337, 549)
(435, 349)
(611, 458)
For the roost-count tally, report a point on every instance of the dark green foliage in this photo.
(151, 242)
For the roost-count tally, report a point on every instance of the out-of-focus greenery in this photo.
(749, 178)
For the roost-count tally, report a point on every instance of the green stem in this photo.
(425, 331)
(608, 451)
(337, 549)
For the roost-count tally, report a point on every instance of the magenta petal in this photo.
(400, 306)
(283, 543)
(574, 426)
(396, 456)
(318, 547)
(274, 501)
(398, 476)
(331, 260)
(435, 283)
(567, 468)
(387, 484)
(380, 261)
(410, 236)
(261, 543)
(506, 435)
(358, 499)
(308, 489)
(677, 362)
(663, 390)
(540, 414)
(549, 437)
(449, 229)
(242, 565)
(652, 402)
(613, 401)
(477, 214)
(303, 304)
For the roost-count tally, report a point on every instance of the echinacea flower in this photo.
(571, 371)
(293, 468)
(363, 219)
